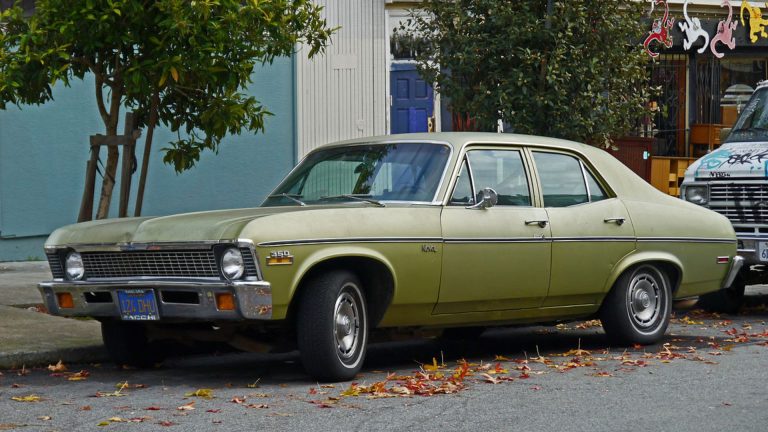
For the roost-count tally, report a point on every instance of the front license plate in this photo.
(762, 249)
(138, 305)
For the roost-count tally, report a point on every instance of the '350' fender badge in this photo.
(282, 257)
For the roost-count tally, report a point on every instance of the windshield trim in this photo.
(435, 198)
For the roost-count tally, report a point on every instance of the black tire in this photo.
(637, 309)
(127, 344)
(727, 300)
(332, 326)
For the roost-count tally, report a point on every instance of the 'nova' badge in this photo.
(428, 248)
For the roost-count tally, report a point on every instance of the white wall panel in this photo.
(342, 94)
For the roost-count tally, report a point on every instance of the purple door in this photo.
(412, 101)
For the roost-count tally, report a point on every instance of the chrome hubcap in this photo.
(644, 300)
(347, 325)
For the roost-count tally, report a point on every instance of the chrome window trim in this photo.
(435, 201)
(586, 183)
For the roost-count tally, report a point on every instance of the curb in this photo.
(87, 354)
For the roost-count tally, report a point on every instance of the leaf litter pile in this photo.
(434, 378)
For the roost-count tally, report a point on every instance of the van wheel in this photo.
(637, 308)
(728, 300)
(332, 326)
(127, 344)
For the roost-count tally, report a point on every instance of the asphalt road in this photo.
(711, 376)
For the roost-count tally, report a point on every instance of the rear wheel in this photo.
(127, 344)
(332, 326)
(637, 308)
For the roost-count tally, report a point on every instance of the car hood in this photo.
(199, 226)
(732, 160)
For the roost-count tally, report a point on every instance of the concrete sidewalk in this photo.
(31, 338)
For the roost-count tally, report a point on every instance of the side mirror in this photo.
(486, 199)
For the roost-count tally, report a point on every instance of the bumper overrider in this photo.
(736, 263)
(173, 278)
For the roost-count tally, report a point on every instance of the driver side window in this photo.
(501, 170)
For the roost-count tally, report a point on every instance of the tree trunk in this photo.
(108, 181)
(147, 151)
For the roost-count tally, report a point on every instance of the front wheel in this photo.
(637, 308)
(332, 326)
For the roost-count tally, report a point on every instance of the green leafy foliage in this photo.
(578, 73)
(188, 62)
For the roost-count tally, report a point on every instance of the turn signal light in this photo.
(225, 301)
(65, 300)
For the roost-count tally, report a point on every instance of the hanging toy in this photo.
(660, 30)
(693, 31)
(756, 22)
(725, 30)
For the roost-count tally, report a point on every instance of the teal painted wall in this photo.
(44, 150)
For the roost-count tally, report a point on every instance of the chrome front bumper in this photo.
(253, 299)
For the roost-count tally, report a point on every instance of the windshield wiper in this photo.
(358, 197)
(292, 197)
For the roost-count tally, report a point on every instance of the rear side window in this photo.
(562, 179)
(596, 192)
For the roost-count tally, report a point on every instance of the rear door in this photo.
(591, 229)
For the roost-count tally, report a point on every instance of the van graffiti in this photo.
(746, 158)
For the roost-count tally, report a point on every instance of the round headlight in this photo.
(232, 264)
(74, 266)
(697, 194)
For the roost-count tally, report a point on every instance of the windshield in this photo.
(365, 173)
(752, 124)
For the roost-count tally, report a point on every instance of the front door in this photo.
(496, 258)
(412, 100)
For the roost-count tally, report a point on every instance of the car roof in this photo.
(459, 139)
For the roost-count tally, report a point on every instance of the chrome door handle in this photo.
(540, 223)
(616, 220)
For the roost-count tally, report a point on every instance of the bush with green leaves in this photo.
(577, 73)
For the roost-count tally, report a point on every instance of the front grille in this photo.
(742, 202)
(738, 192)
(754, 215)
(54, 261)
(197, 263)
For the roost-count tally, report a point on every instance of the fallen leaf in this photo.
(258, 406)
(29, 398)
(238, 400)
(45, 418)
(79, 376)
(58, 367)
(152, 408)
(166, 423)
(85, 408)
(187, 407)
(203, 393)
(214, 411)
(602, 374)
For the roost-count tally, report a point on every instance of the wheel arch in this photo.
(375, 273)
(667, 262)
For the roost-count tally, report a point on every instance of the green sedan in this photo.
(426, 230)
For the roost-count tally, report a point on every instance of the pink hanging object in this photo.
(725, 30)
